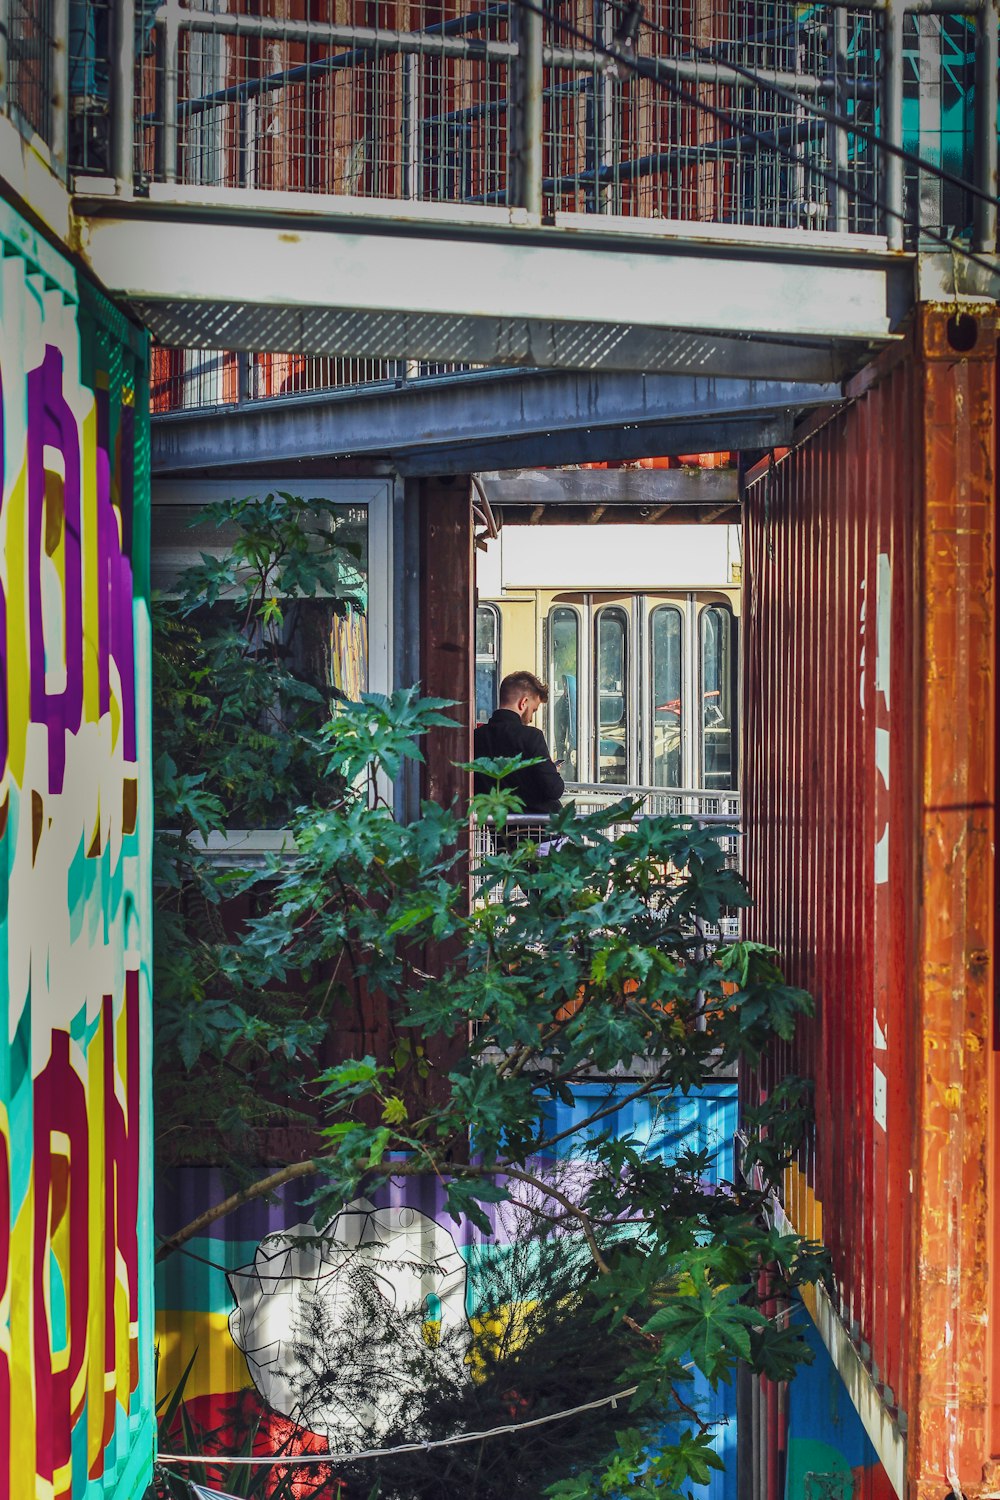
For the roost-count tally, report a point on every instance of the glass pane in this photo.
(177, 544)
(486, 631)
(273, 672)
(564, 671)
(668, 761)
(717, 664)
(486, 690)
(612, 718)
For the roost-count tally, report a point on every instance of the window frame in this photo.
(578, 619)
(724, 607)
(681, 612)
(488, 606)
(243, 846)
(599, 614)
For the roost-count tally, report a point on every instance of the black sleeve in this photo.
(547, 783)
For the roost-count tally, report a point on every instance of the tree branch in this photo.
(235, 1200)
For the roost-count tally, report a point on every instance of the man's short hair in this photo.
(516, 684)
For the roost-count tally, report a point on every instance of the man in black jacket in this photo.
(510, 732)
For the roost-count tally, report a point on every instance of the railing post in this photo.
(837, 134)
(929, 210)
(604, 104)
(526, 77)
(59, 105)
(171, 86)
(411, 126)
(892, 101)
(123, 95)
(984, 237)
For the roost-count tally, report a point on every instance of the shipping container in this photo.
(869, 685)
(76, 1416)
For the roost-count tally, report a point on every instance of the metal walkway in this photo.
(505, 187)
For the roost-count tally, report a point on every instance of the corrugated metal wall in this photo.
(76, 1416)
(869, 814)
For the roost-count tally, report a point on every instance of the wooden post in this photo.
(447, 631)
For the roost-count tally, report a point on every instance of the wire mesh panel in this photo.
(938, 87)
(30, 39)
(710, 121)
(701, 113)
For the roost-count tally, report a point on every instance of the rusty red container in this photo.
(870, 692)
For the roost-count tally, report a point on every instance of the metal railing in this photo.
(501, 106)
(708, 809)
(706, 116)
(196, 379)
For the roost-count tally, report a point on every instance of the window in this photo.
(666, 707)
(612, 702)
(563, 671)
(487, 660)
(718, 682)
(274, 675)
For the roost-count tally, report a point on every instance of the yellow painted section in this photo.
(18, 673)
(803, 1208)
(22, 1372)
(219, 1366)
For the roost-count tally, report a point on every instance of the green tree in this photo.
(588, 958)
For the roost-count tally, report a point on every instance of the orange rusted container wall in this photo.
(870, 655)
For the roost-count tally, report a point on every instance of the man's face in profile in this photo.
(528, 706)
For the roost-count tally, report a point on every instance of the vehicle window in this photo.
(563, 674)
(612, 705)
(487, 660)
(718, 662)
(666, 706)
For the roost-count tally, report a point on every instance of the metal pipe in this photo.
(984, 232)
(171, 87)
(411, 128)
(604, 103)
(123, 95)
(686, 70)
(840, 202)
(892, 130)
(530, 72)
(59, 82)
(385, 39)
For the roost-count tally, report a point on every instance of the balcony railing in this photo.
(751, 115)
(708, 809)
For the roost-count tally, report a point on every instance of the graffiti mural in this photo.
(235, 1305)
(75, 1335)
(302, 1278)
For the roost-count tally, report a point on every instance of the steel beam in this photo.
(482, 288)
(491, 420)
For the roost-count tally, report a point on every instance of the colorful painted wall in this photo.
(829, 1455)
(75, 1184)
(231, 1303)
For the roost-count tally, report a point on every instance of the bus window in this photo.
(563, 672)
(487, 660)
(612, 704)
(718, 761)
(665, 639)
